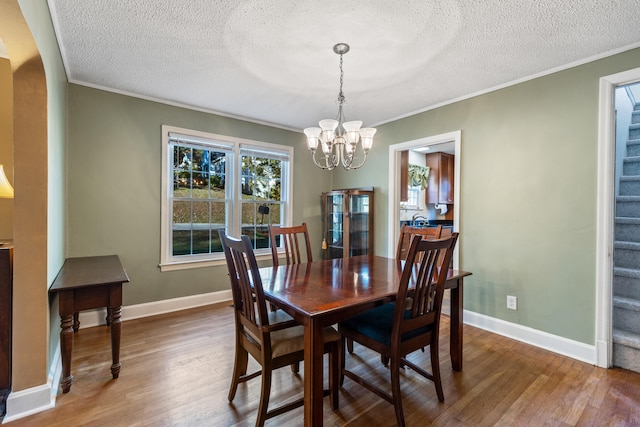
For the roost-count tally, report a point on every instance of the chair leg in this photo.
(384, 359)
(335, 372)
(350, 345)
(343, 356)
(395, 390)
(239, 369)
(264, 396)
(435, 369)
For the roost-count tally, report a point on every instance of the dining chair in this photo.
(272, 338)
(410, 323)
(407, 232)
(404, 241)
(290, 238)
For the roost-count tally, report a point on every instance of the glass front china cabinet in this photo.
(347, 223)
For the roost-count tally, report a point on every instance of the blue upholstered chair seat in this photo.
(378, 322)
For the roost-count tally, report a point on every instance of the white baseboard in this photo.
(603, 352)
(91, 318)
(26, 402)
(564, 346)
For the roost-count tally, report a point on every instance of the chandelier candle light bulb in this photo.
(339, 139)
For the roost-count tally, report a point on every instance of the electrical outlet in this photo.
(512, 302)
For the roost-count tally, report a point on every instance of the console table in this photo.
(87, 283)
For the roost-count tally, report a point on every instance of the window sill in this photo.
(200, 263)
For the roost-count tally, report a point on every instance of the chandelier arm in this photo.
(352, 157)
(335, 160)
(347, 160)
(318, 164)
(364, 159)
(327, 166)
(338, 154)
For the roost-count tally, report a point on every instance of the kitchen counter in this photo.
(445, 223)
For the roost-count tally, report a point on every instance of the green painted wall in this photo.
(528, 194)
(114, 194)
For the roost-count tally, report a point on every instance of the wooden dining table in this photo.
(322, 293)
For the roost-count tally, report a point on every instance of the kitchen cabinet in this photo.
(404, 176)
(441, 183)
(347, 223)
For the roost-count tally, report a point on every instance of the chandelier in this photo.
(337, 138)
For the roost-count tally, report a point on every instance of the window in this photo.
(413, 198)
(212, 182)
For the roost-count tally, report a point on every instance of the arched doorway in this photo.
(30, 336)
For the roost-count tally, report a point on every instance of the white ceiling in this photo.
(271, 61)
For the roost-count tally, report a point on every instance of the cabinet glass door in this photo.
(359, 224)
(335, 225)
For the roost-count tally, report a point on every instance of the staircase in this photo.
(626, 256)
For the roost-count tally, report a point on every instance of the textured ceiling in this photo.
(271, 61)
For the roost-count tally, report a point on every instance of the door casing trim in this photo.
(605, 212)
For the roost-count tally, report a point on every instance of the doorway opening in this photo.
(606, 212)
(625, 284)
(395, 151)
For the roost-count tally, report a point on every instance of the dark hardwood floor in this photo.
(176, 370)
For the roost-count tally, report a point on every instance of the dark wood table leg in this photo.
(76, 321)
(455, 340)
(115, 341)
(113, 316)
(66, 337)
(313, 372)
(66, 346)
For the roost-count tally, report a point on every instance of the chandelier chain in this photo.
(341, 98)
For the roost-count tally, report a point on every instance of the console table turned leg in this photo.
(116, 325)
(66, 343)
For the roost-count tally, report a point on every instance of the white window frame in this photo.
(414, 194)
(169, 262)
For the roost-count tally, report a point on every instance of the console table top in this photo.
(89, 271)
